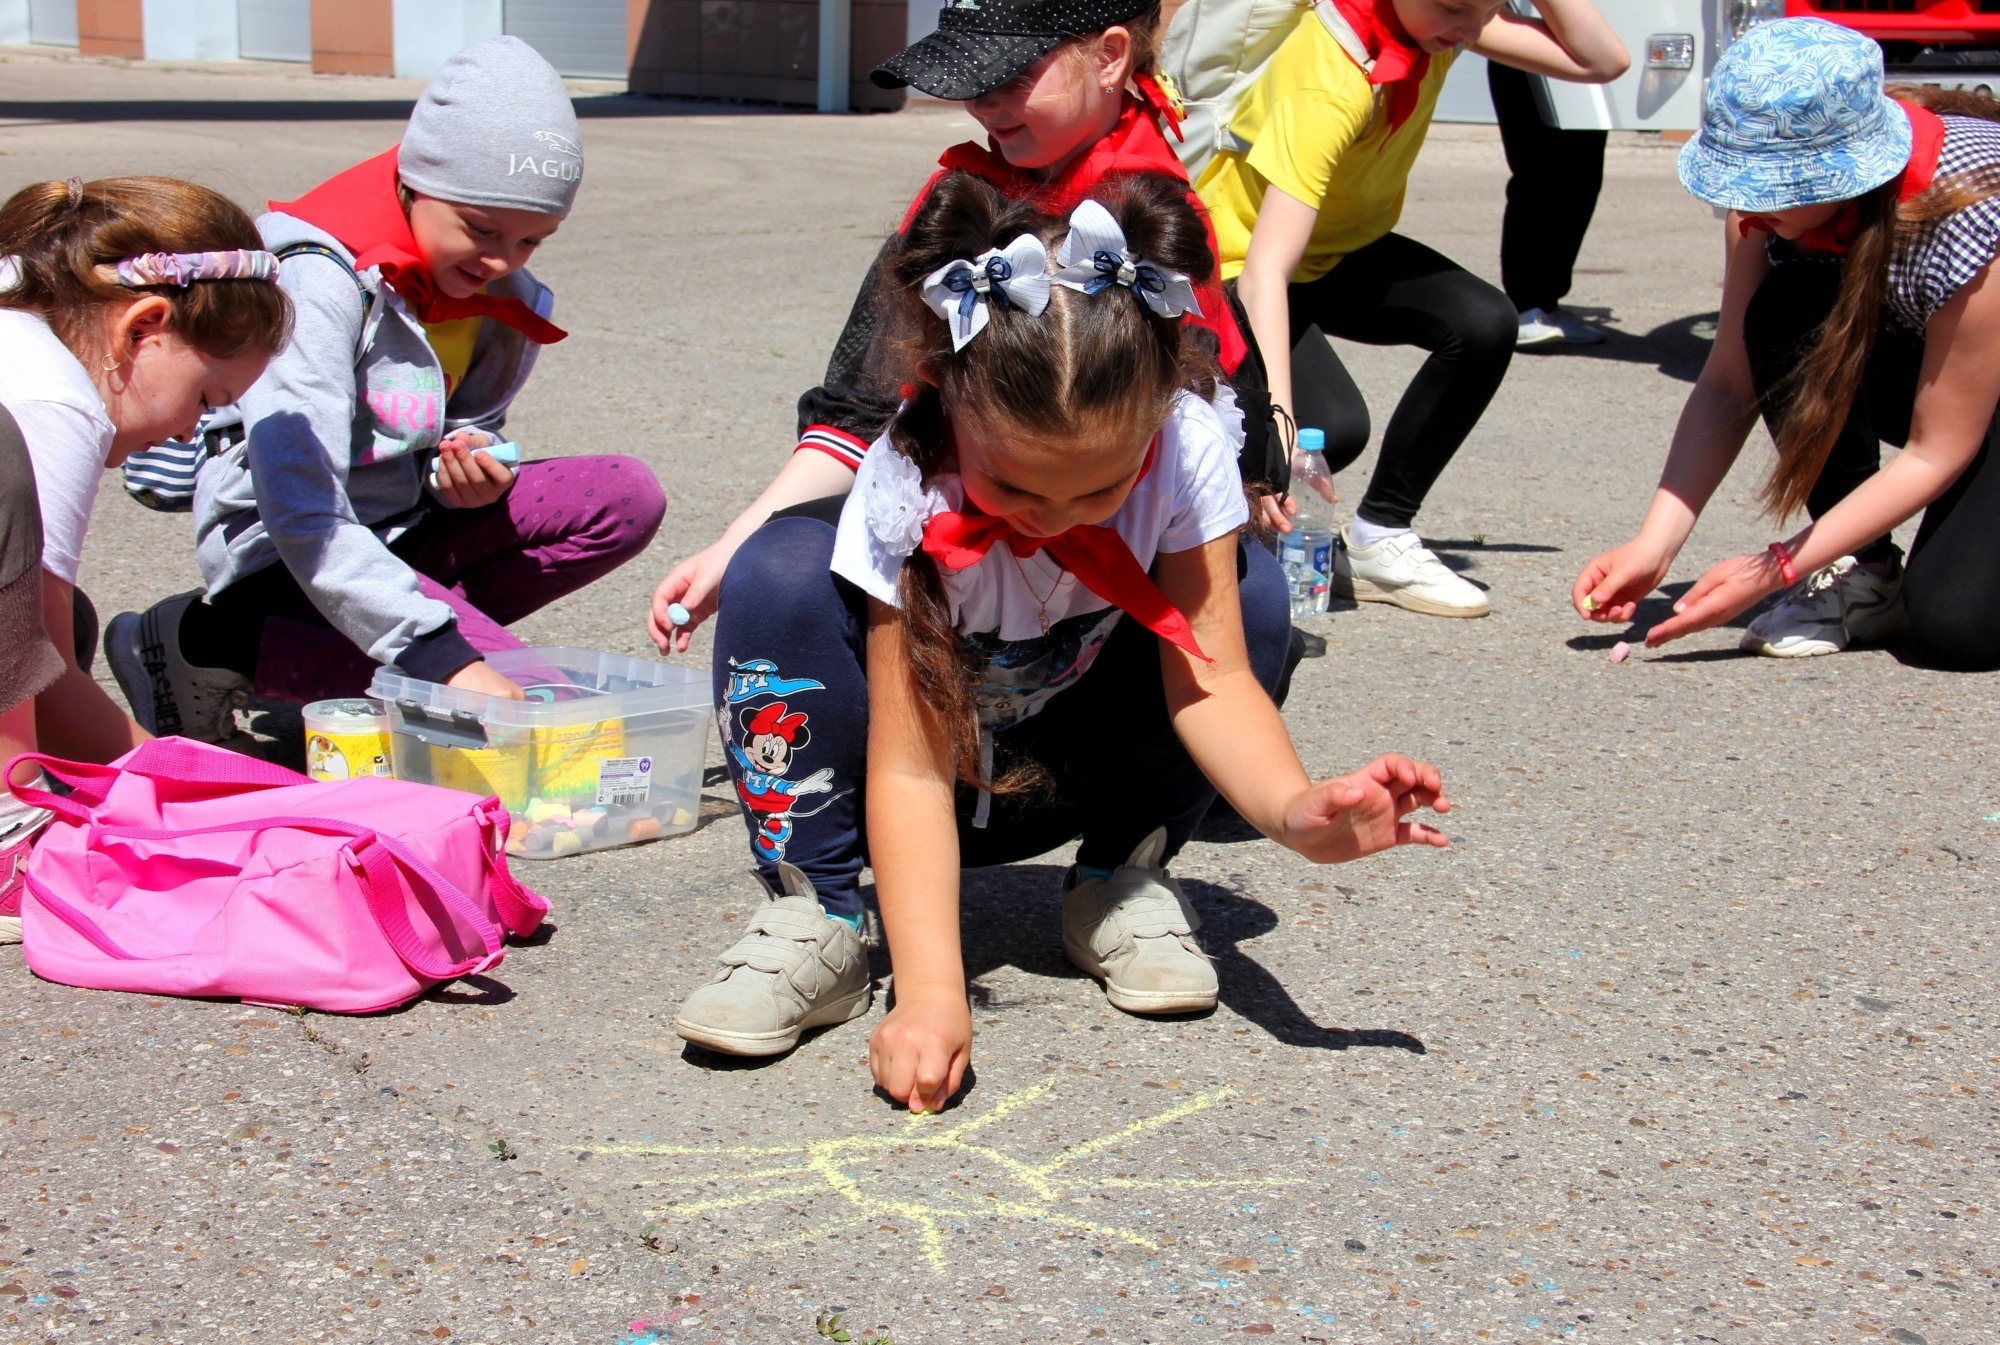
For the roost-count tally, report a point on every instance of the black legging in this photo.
(1951, 584)
(1397, 292)
(1554, 178)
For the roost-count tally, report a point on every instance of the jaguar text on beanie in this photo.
(495, 127)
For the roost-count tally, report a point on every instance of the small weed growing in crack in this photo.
(831, 1329)
(650, 1239)
(502, 1150)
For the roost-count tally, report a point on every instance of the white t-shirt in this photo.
(68, 434)
(1191, 495)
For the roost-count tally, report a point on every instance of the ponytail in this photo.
(1815, 399)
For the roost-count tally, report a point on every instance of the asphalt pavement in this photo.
(1688, 1036)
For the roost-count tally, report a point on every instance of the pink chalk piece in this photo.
(1620, 652)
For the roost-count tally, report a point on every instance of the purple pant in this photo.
(565, 523)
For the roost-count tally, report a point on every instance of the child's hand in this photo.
(1610, 587)
(920, 1051)
(1725, 589)
(1278, 513)
(1360, 814)
(479, 676)
(693, 585)
(466, 477)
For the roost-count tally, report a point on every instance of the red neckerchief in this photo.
(1155, 96)
(1836, 236)
(1095, 554)
(359, 207)
(1135, 145)
(1400, 64)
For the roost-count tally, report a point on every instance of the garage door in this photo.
(53, 22)
(274, 30)
(579, 37)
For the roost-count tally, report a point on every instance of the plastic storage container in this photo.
(605, 751)
(346, 738)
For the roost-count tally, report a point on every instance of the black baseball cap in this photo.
(982, 44)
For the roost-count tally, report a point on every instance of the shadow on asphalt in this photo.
(1677, 349)
(602, 107)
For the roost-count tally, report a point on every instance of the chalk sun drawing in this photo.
(823, 1167)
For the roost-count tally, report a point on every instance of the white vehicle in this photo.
(1674, 44)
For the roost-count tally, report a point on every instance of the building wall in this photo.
(189, 30)
(764, 51)
(111, 28)
(354, 37)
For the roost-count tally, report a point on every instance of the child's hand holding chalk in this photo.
(678, 615)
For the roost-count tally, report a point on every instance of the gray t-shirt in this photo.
(28, 662)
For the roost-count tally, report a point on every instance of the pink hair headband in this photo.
(185, 268)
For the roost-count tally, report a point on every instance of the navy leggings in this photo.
(791, 681)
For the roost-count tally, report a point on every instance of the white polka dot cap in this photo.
(982, 44)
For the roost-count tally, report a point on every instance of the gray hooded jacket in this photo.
(343, 428)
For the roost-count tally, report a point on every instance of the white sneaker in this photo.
(1553, 326)
(166, 692)
(795, 968)
(1134, 931)
(1845, 603)
(1402, 570)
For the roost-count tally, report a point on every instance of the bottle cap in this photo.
(1312, 441)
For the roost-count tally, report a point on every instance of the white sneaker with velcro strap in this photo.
(795, 968)
(1134, 931)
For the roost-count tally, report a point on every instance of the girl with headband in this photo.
(1858, 306)
(1023, 631)
(128, 308)
(350, 515)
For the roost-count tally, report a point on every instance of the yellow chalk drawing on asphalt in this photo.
(823, 1166)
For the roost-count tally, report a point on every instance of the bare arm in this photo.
(17, 734)
(1957, 391)
(806, 475)
(74, 717)
(1277, 246)
(1714, 423)
(1235, 735)
(1570, 41)
(920, 1051)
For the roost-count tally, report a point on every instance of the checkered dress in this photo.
(1948, 252)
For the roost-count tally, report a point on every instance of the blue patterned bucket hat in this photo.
(1795, 116)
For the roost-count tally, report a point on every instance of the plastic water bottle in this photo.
(1306, 552)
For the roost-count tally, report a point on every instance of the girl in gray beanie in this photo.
(349, 515)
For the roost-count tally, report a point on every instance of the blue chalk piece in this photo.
(509, 453)
(678, 614)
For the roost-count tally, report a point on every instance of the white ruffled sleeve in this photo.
(883, 521)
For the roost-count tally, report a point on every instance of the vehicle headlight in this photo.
(1740, 16)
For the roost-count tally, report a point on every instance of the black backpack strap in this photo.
(322, 250)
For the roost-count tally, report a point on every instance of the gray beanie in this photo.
(495, 127)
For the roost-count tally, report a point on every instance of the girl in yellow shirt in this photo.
(1304, 218)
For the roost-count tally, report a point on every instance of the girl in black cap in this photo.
(1068, 94)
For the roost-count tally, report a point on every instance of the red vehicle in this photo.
(1939, 41)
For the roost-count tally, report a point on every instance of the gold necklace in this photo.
(1041, 603)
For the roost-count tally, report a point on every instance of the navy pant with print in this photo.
(791, 681)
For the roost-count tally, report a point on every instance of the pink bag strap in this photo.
(174, 759)
(92, 784)
(520, 909)
(385, 902)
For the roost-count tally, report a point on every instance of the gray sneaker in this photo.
(1836, 606)
(166, 692)
(795, 968)
(1134, 931)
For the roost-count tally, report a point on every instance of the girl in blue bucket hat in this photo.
(1856, 308)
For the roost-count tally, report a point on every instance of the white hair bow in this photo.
(1094, 257)
(961, 292)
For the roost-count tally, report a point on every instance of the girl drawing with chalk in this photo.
(1024, 630)
(1858, 306)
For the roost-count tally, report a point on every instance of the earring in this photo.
(109, 363)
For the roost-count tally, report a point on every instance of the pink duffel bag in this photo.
(184, 869)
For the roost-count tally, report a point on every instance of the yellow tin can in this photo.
(347, 738)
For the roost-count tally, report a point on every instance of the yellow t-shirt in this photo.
(1316, 133)
(452, 340)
